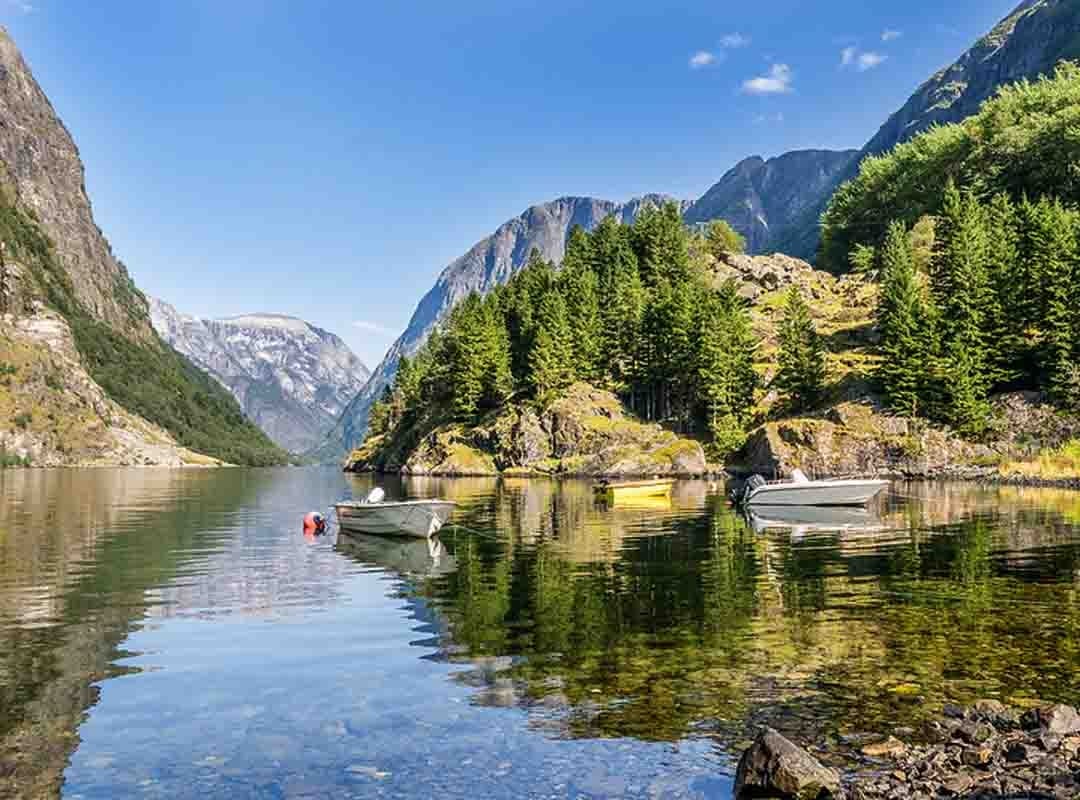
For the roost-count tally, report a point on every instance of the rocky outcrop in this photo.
(584, 433)
(40, 171)
(861, 438)
(489, 263)
(762, 198)
(52, 413)
(291, 378)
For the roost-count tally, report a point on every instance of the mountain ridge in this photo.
(290, 377)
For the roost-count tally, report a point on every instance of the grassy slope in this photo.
(151, 380)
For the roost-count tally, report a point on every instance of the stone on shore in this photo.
(774, 766)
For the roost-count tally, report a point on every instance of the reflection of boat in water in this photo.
(426, 557)
(629, 490)
(659, 502)
(419, 518)
(804, 519)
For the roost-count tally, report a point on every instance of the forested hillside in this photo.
(633, 310)
(976, 236)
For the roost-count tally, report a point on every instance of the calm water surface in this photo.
(173, 634)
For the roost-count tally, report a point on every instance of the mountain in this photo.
(1026, 44)
(761, 198)
(290, 377)
(83, 376)
(490, 262)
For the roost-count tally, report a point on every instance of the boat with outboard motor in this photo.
(419, 518)
(801, 491)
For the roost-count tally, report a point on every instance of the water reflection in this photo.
(171, 633)
(670, 620)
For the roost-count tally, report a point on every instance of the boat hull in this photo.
(818, 493)
(419, 518)
(635, 489)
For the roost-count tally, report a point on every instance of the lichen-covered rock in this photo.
(448, 451)
(773, 766)
(585, 432)
(862, 438)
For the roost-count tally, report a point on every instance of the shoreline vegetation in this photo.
(944, 341)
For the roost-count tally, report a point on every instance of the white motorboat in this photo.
(801, 491)
(419, 518)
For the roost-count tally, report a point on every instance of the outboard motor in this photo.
(376, 495)
(742, 494)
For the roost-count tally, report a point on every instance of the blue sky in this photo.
(327, 159)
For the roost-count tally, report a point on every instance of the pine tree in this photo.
(726, 379)
(622, 317)
(961, 286)
(465, 357)
(660, 241)
(551, 358)
(900, 317)
(580, 287)
(1005, 322)
(802, 354)
(724, 240)
(1056, 248)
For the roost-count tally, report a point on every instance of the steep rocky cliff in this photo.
(761, 198)
(490, 262)
(100, 366)
(40, 171)
(291, 378)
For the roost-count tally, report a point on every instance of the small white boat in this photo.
(801, 491)
(419, 518)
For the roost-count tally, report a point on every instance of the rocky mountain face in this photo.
(291, 378)
(489, 263)
(1024, 45)
(761, 198)
(41, 172)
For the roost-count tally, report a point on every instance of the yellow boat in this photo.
(625, 490)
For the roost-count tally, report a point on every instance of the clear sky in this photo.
(328, 159)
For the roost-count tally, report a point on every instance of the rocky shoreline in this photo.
(989, 750)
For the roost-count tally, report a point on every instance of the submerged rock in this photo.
(775, 767)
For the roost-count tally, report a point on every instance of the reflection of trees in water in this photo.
(645, 625)
(84, 546)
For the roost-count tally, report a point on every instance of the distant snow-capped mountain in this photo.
(291, 378)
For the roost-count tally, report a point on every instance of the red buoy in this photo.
(314, 523)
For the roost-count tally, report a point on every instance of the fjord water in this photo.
(171, 633)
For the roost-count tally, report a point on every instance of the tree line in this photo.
(631, 309)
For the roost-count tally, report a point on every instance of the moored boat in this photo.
(419, 518)
(801, 491)
(622, 490)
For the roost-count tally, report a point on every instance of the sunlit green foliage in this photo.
(724, 240)
(1023, 142)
